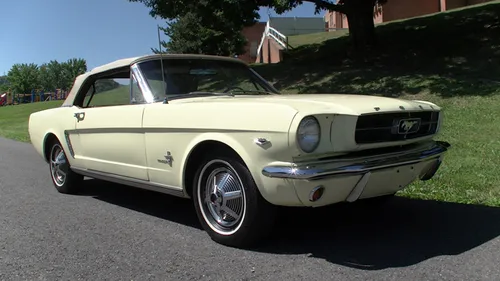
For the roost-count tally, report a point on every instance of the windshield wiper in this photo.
(198, 94)
(256, 92)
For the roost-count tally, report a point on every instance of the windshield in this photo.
(191, 77)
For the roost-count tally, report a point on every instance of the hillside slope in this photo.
(446, 54)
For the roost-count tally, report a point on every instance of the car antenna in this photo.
(161, 62)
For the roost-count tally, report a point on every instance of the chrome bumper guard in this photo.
(345, 165)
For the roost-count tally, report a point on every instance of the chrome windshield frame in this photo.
(147, 92)
(142, 82)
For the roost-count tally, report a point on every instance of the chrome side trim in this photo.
(68, 142)
(131, 182)
(344, 165)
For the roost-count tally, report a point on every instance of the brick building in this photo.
(253, 34)
(401, 9)
(267, 40)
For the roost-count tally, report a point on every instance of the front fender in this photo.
(255, 158)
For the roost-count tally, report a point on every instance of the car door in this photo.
(110, 134)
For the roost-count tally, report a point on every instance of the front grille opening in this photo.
(383, 127)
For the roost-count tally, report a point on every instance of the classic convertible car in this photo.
(211, 129)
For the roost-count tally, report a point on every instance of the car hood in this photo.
(327, 103)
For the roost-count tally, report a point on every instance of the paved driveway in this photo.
(119, 233)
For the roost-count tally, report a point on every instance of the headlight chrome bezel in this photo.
(308, 123)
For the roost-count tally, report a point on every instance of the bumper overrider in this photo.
(363, 163)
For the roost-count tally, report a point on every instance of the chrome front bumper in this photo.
(349, 165)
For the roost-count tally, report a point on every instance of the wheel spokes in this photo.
(230, 212)
(231, 195)
(224, 199)
(58, 165)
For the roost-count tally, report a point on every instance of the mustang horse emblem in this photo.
(407, 126)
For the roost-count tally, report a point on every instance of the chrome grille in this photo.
(387, 127)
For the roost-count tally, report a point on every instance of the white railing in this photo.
(275, 34)
(264, 34)
(279, 37)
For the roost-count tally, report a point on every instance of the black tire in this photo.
(256, 214)
(67, 182)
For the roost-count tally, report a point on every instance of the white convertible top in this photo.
(126, 62)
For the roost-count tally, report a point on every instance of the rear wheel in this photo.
(63, 178)
(228, 203)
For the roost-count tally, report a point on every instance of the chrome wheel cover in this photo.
(58, 165)
(221, 197)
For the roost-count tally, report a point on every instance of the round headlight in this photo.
(308, 134)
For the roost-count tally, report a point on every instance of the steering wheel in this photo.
(233, 87)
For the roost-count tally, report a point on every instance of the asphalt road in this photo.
(114, 232)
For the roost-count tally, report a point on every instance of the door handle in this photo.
(80, 116)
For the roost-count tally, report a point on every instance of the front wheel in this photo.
(64, 179)
(228, 203)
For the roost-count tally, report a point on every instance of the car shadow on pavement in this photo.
(364, 235)
(156, 204)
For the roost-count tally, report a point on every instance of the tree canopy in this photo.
(24, 77)
(192, 34)
(214, 26)
(4, 84)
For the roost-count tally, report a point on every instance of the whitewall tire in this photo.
(64, 179)
(228, 203)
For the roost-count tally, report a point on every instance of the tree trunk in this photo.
(361, 24)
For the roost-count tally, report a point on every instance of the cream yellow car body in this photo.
(272, 118)
(149, 145)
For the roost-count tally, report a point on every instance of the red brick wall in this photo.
(265, 51)
(453, 4)
(335, 20)
(276, 51)
(338, 20)
(272, 52)
(253, 34)
(401, 9)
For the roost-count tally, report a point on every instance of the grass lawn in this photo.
(452, 59)
(14, 118)
(470, 171)
(314, 38)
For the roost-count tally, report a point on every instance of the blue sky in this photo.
(99, 31)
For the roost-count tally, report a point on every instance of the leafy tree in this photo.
(71, 69)
(44, 78)
(219, 14)
(204, 26)
(54, 75)
(189, 34)
(23, 77)
(4, 84)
